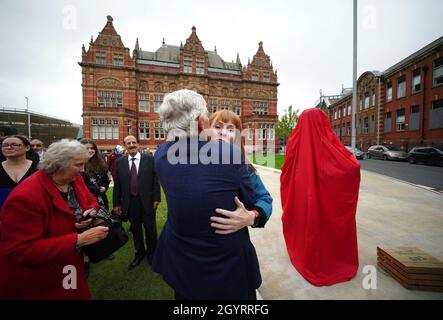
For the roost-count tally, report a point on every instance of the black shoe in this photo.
(135, 262)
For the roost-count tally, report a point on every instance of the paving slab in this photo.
(390, 213)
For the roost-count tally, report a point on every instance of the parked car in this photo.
(386, 153)
(360, 155)
(428, 155)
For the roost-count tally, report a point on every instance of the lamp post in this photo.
(29, 118)
(354, 82)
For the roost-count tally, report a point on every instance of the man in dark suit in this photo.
(137, 195)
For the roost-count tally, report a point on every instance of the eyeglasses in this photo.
(36, 145)
(12, 145)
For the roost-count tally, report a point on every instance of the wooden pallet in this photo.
(412, 260)
(413, 268)
(409, 286)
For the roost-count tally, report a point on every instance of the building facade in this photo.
(122, 93)
(402, 106)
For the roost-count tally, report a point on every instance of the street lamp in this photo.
(29, 118)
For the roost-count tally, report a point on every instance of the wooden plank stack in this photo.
(412, 267)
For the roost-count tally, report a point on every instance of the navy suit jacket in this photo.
(191, 257)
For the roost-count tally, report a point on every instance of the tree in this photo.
(287, 123)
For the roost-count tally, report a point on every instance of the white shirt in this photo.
(136, 161)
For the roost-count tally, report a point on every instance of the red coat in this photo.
(319, 188)
(37, 241)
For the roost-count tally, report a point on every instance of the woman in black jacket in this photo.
(96, 174)
(97, 180)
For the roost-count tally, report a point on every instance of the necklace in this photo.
(60, 186)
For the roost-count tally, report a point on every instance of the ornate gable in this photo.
(105, 46)
(193, 43)
(108, 37)
(260, 69)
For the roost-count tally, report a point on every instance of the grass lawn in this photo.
(275, 161)
(111, 280)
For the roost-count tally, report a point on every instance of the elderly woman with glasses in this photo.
(41, 253)
(16, 167)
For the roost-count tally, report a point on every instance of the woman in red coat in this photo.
(40, 247)
(319, 191)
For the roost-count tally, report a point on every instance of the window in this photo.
(105, 129)
(266, 76)
(365, 125)
(100, 58)
(361, 103)
(373, 99)
(129, 127)
(200, 65)
(271, 132)
(158, 100)
(388, 122)
(416, 80)
(401, 87)
(437, 73)
(108, 99)
(264, 131)
(348, 129)
(335, 114)
(249, 131)
(143, 130)
(389, 91)
(224, 104)
(344, 111)
(118, 59)
(415, 109)
(159, 132)
(414, 118)
(366, 100)
(400, 119)
(349, 110)
(255, 76)
(213, 105)
(187, 64)
(236, 105)
(436, 114)
(259, 107)
(437, 104)
(143, 103)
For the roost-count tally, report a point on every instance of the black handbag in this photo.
(116, 238)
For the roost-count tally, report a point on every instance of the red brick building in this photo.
(122, 92)
(401, 106)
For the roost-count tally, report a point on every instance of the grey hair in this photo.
(59, 153)
(179, 112)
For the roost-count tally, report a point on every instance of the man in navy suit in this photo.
(137, 195)
(198, 177)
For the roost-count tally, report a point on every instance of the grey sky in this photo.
(309, 42)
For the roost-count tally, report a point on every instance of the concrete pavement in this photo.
(390, 213)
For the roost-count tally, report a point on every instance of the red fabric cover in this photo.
(37, 241)
(319, 188)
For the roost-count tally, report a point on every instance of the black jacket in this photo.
(147, 182)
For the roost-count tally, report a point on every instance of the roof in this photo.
(422, 52)
(171, 54)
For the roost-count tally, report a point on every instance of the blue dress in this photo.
(194, 260)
